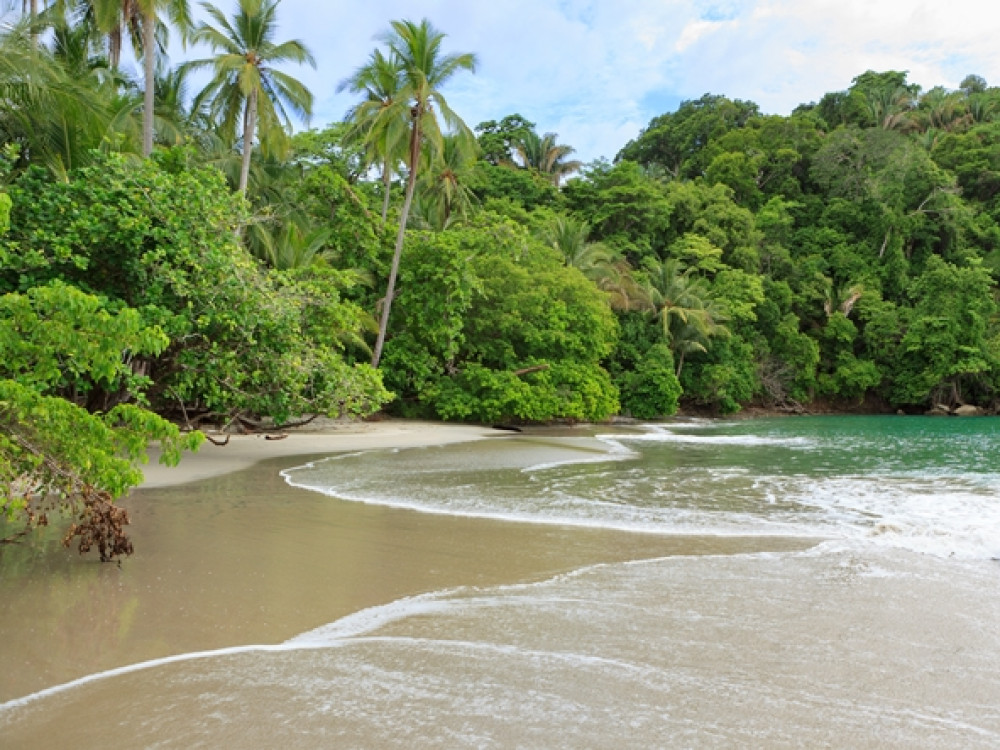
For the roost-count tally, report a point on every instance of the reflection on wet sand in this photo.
(246, 559)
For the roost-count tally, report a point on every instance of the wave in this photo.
(635, 483)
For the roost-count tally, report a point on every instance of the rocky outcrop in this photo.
(968, 410)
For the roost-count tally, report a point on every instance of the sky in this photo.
(596, 71)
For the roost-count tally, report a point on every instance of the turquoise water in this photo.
(927, 484)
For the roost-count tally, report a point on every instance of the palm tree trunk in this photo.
(115, 47)
(411, 183)
(148, 57)
(34, 17)
(386, 184)
(249, 125)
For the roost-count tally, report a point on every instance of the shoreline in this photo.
(244, 451)
(228, 554)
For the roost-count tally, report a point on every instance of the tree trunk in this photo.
(386, 184)
(34, 17)
(411, 183)
(148, 57)
(249, 125)
(115, 47)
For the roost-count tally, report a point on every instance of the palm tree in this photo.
(245, 84)
(569, 237)
(890, 107)
(444, 190)
(692, 336)
(602, 265)
(59, 106)
(381, 80)
(545, 155)
(425, 70)
(179, 13)
(688, 314)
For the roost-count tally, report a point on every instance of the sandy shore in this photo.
(228, 554)
(243, 451)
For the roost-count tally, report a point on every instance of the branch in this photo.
(526, 370)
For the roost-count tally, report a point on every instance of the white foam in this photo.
(667, 436)
(935, 511)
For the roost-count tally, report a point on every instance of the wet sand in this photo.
(242, 558)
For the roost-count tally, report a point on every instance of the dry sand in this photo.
(243, 451)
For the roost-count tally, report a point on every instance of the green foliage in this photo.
(652, 389)
(677, 141)
(945, 354)
(56, 343)
(498, 140)
(624, 208)
(726, 377)
(165, 244)
(527, 189)
(492, 326)
(57, 339)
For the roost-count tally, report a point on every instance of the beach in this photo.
(322, 436)
(227, 553)
(761, 597)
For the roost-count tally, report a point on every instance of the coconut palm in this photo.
(688, 315)
(545, 155)
(692, 335)
(890, 107)
(246, 92)
(569, 237)
(381, 80)
(443, 188)
(602, 265)
(425, 70)
(674, 294)
(59, 106)
(179, 13)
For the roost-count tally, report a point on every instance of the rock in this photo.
(968, 410)
(939, 410)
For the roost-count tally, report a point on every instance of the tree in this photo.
(58, 108)
(569, 237)
(445, 193)
(425, 71)
(381, 80)
(945, 354)
(545, 155)
(56, 343)
(245, 342)
(179, 13)
(492, 325)
(498, 140)
(689, 316)
(245, 84)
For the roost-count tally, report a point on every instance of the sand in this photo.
(243, 451)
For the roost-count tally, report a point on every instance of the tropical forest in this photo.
(175, 256)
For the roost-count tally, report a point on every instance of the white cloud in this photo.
(597, 71)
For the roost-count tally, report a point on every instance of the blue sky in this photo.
(596, 71)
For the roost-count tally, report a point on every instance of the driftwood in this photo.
(252, 426)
